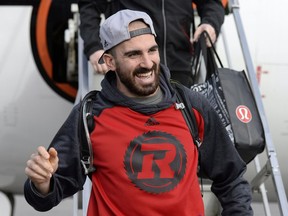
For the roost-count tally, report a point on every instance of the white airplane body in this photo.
(34, 106)
(31, 112)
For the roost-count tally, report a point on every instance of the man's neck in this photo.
(153, 99)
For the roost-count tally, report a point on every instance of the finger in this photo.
(52, 152)
(33, 168)
(100, 68)
(41, 160)
(94, 60)
(196, 35)
(53, 159)
(208, 43)
(43, 152)
(36, 177)
(39, 164)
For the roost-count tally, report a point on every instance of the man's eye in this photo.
(153, 50)
(133, 55)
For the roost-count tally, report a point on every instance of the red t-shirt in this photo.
(145, 165)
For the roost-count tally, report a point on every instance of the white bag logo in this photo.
(243, 113)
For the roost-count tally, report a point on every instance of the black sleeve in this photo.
(69, 177)
(211, 12)
(220, 162)
(90, 18)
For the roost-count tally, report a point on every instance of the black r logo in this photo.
(155, 162)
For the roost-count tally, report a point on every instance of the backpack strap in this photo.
(86, 122)
(187, 111)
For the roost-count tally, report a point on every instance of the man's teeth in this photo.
(145, 75)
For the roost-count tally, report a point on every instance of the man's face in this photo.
(137, 66)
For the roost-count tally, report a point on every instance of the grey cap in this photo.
(114, 30)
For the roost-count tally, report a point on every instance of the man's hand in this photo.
(94, 58)
(209, 29)
(40, 168)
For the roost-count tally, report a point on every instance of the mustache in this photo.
(140, 70)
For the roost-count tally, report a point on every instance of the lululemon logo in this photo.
(243, 113)
(155, 161)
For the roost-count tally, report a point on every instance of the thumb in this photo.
(196, 36)
(53, 158)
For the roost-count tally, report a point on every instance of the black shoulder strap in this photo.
(86, 125)
(187, 111)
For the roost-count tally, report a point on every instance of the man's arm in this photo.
(212, 15)
(211, 12)
(90, 18)
(57, 173)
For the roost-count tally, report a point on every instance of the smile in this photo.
(144, 75)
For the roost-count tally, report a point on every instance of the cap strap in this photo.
(142, 31)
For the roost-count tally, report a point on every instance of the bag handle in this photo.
(208, 54)
(206, 35)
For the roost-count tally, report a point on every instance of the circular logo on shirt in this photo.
(243, 113)
(155, 161)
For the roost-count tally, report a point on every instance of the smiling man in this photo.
(136, 61)
(145, 158)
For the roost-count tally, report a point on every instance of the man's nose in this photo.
(146, 61)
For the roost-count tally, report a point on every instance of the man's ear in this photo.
(110, 62)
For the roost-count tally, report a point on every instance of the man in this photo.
(145, 159)
(173, 23)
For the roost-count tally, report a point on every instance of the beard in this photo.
(141, 90)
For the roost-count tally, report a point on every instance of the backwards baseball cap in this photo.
(115, 29)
